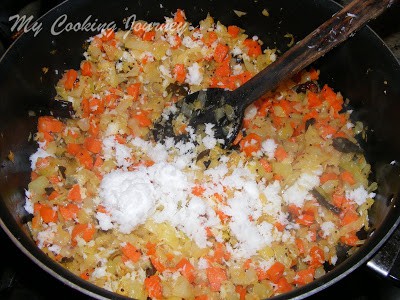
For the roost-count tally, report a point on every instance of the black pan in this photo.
(363, 69)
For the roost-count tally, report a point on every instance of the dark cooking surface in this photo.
(22, 279)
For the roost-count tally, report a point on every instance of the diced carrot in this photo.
(283, 286)
(70, 78)
(313, 99)
(151, 248)
(285, 105)
(209, 38)
(222, 216)
(74, 193)
(48, 214)
(153, 287)
(98, 162)
(42, 162)
(280, 153)
(300, 245)
(73, 149)
(275, 272)
(149, 35)
(216, 276)
(85, 158)
(266, 165)
(134, 90)
(131, 252)
(317, 257)
(250, 144)
(53, 195)
(347, 177)
(179, 73)
(333, 99)
(220, 52)
(279, 226)
(223, 69)
(94, 127)
(247, 264)
(36, 221)
(157, 264)
(93, 145)
(304, 276)
(242, 291)
(142, 119)
(179, 16)
(108, 35)
(86, 275)
(338, 199)
(350, 239)
(187, 269)
(254, 48)
(85, 231)
(328, 176)
(49, 124)
(198, 190)
(238, 138)
(220, 253)
(294, 210)
(69, 211)
(349, 217)
(233, 30)
(96, 105)
(86, 68)
(305, 219)
(314, 74)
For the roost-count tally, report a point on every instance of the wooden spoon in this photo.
(225, 109)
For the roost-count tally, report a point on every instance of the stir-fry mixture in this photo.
(192, 220)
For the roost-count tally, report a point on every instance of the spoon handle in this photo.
(331, 33)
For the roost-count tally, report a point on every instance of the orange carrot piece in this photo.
(85, 158)
(304, 276)
(157, 264)
(93, 145)
(349, 217)
(266, 165)
(233, 31)
(317, 257)
(313, 99)
(131, 252)
(179, 73)
(86, 68)
(49, 124)
(69, 211)
(242, 291)
(305, 219)
(198, 190)
(108, 35)
(153, 286)
(275, 272)
(85, 231)
(201, 297)
(220, 52)
(149, 35)
(74, 193)
(53, 195)
(328, 176)
(280, 153)
(250, 144)
(134, 90)
(48, 214)
(180, 16)
(283, 286)
(216, 276)
(300, 245)
(350, 239)
(73, 149)
(254, 48)
(70, 78)
(186, 269)
(347, 176)
(142, 119)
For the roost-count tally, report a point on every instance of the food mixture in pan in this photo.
(191, 219)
